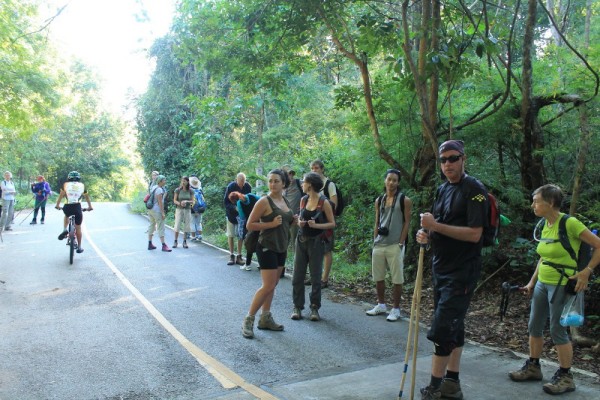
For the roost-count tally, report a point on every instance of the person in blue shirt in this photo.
(41, 190)
(244, 204)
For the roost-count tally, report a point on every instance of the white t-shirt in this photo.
(8, 190)
(74, 191)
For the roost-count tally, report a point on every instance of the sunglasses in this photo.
(452, 159)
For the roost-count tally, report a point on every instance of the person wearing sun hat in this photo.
(196, 186)
(42, 191)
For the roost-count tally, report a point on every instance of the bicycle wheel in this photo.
(72, 244)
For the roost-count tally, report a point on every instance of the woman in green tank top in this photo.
(272, 216)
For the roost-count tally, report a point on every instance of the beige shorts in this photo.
(388, 256)
(183, 219)
(232, 230)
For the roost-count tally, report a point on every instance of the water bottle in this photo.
(572, 314)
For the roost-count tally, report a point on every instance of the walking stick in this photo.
(413, 328)
(21, 210)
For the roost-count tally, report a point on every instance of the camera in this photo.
(383, 230)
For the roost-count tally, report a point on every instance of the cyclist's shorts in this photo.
(74, 209)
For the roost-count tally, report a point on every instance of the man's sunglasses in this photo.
(452, 159)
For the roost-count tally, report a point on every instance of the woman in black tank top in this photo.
(272, 216)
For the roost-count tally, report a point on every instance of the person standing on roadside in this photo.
(329, 190)
(152, 182)
(271, 216)
(196, 186)
(245, 204)
(42, 191)
(293, 194)
(157, 214)
(454, 229)
(184, 200)
(8, 201)
(392, 220)
(239, 185)
(548, 288)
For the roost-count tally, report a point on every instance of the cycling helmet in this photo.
(73, 176)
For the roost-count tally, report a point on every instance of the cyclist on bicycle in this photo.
(73, 190)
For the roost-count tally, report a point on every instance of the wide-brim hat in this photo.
(194, 182)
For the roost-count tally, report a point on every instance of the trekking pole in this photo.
(21, 210)
(413, 328)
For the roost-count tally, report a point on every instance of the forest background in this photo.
(251, 85)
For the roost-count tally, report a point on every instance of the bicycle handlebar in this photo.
(83, 209)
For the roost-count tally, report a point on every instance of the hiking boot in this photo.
(561, 382)
(239, 260)
(165, 247)
(33, 222)
(429, 393)
(394, 315)
(231, 260)
(175, 244)
(529, 372)
(296, 314)
(314, 315)
(151, 246)
(378, 309)
(266, 321)
(451, 389)
(63, 235)
(248, 327)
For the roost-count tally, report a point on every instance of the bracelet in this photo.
(591, 270)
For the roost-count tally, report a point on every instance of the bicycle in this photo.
(71, 236)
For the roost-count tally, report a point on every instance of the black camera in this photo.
(383, 230)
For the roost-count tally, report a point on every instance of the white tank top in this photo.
(74, 191)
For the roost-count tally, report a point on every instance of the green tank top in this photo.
(276, 239)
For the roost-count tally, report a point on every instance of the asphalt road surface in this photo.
(126, 323)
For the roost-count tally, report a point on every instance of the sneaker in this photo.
(63, 235)
(151, 246)
(231, 260)
(429, 393)
(394, 315)
(529, 372)
(296, 314)
(561, 382)
(184, 245)
(266, 321)
(175, 244)
(199, 238)
(451, 389)
(42, 222)
(33, 222)
(239, 260)
(79, 250)
(248, 327)
(378, 309)
(165, 247)
(248, 268)
(314, 315)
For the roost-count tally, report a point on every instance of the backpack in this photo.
(200, 205)
(149, 200)
(320, 216)
(339, 209)
(492, 230)
(585, 250)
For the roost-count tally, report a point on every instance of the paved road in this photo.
(126, 323)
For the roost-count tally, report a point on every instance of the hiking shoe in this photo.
(394, 315)
(63, 235)
(33, 222)
(314, 315)
(378, 309)
(79, 250)
(239, 260)
(561, 382)
(248, 268)
(175, 244)
(151, 246)
(529, 372)
(429, 393)
(296, 314)
(184, 245)
(266, 321)
(8, 228)
(451, 389)
(248, 327)
(42, 222)
(324, 284)
(165, 247)
(231, 260)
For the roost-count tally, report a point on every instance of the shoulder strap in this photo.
(563, 236)
(402, 196)
(326, 188)
(303, 201)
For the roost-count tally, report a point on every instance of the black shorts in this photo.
(74, 209)
(269, 259)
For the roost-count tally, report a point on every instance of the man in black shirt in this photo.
(454, 229)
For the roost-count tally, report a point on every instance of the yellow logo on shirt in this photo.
(480, 198)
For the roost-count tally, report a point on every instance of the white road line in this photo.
(226, 377)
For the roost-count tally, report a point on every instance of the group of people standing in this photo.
(41, 191)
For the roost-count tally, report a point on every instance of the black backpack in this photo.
(585, 250)
(339, 209)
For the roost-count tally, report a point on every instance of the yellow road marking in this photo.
(226, 377)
